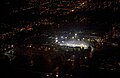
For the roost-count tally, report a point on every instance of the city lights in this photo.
(75, 34)
(59, 38)
(56, 41)
(75, 44)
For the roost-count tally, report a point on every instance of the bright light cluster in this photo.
(72, 41)
(80, 44)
